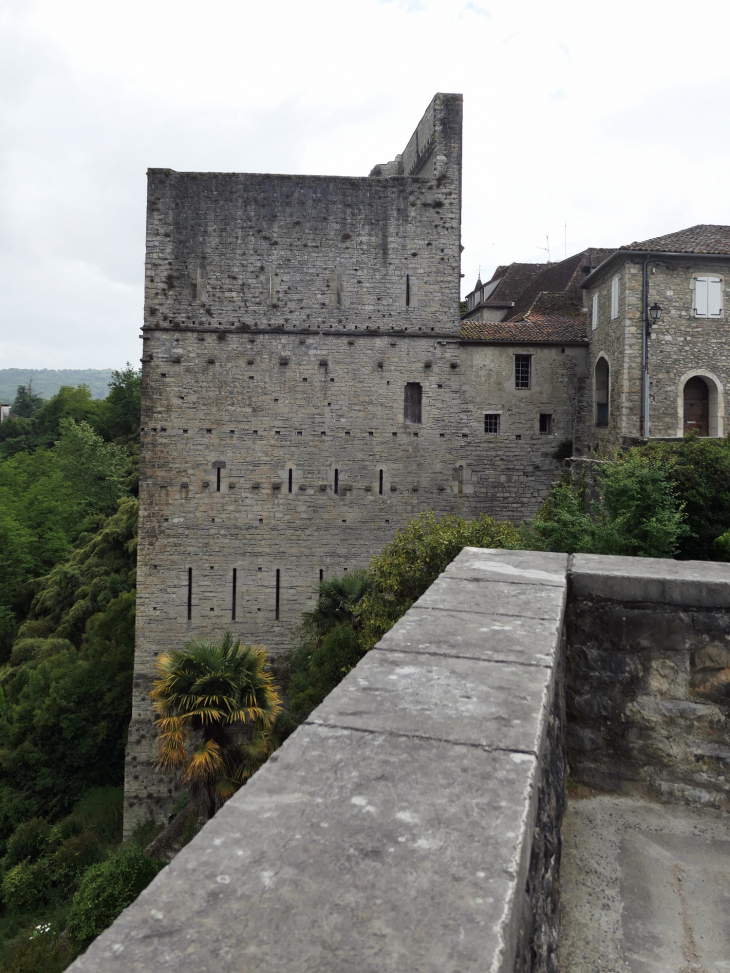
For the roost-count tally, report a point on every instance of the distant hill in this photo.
(47, 381)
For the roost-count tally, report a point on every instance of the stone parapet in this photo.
(411, 824)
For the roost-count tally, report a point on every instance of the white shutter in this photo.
(594, 314)
(701, 297)
(614, 298)
(714, 297)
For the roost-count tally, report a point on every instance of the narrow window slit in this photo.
(408, 290)
(278, 591)
(218, 480)
(291, 479)
(233, 599)
(380, 486)
(337, 481)
(190, 594)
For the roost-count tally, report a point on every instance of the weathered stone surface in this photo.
(496, 638)
(353, 851)
(686, 584)
(531, 600)
(490, 704)
(644, 888)
(515, 567)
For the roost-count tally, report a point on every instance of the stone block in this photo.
(489, 704)
(495, 638)
(687, 584)
(532, 601)
(347, 851)
(515, 567)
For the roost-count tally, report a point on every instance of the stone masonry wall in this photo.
(680, 345)
(648, 677)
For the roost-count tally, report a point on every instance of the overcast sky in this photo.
(610, 118)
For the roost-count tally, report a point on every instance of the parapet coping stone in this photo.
(686, 584)
(393, 831)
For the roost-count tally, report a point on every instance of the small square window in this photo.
(522, 371)
(546, 423)
(491, 423)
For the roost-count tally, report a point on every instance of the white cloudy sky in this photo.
(612, 118)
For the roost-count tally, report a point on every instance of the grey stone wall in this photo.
(412, 823)
(680, 345)
(648, 677)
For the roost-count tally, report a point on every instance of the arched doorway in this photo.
(601, 391)
(697, 407)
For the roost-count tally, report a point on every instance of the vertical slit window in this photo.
(218, 479)
(278, 592)
(380, 486)
(408, 290)
(460, 480)
(321, 575)
(233, 598)
(291, 480)
(337, 481)
(190, 593)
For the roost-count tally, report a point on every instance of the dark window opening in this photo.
(321, 575)
(194, 291)
(380, 488)
(546, 423)
(218, 479)
(696, 407)
(601, 378)
(233, 599)
(278, 587)
(491, 423)
(408, 290)
(337, 481)
(412, 402)
(190, 593)
(522, 371)
(460, 480)
(291, 480)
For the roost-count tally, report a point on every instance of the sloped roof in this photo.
(703, 238)
(515, 279)
(552, 317)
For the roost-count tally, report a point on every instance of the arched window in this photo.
(697, 407)
(412, 402)
(601, 385)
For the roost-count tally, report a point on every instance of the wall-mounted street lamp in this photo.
(655, 312)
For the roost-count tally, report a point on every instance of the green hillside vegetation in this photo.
(46, 382)
(68, 541)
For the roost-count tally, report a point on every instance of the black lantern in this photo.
(655, 312)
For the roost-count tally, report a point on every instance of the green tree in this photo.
(204, 696)
(121, 410)
(26, 402)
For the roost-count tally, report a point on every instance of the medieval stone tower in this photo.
(305, 393)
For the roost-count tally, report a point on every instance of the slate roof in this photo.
(515, 278)
(703, 238)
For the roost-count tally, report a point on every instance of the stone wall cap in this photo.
(692, 584)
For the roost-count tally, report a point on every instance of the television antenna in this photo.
(546, 248)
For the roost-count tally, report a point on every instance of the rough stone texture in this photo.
(277, 346)
(680, 346)
(643, 888)
(648, 677)
(396, 831)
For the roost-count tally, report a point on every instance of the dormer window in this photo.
(708, 297)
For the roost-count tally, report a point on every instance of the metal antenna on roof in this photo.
(547, 247)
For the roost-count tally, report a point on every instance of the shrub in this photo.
(28, 841)
(40, 952)
(26, 885)
(413, 560)
(106, 889)
(101, 809)
(699, 470)
(315, 670)
(638, 514)
(72, 859)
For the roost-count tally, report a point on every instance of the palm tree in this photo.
(205, 696)
(336, 603)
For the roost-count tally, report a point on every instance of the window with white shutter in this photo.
(708, 297)
(614, 298)
(594, 313)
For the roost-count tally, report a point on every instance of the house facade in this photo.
(659, 342)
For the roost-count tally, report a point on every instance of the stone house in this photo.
(659, 347)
